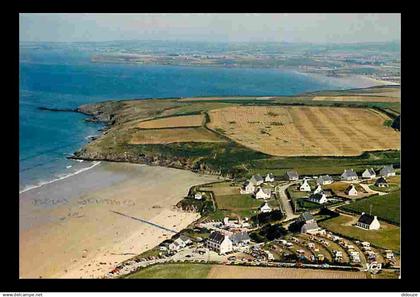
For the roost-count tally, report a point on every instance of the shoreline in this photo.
(72, 228)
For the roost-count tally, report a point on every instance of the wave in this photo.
(95, 163)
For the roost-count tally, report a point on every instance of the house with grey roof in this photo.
(311, 227)
(219, 242)
(324, 180)
(256, 179)
(269, 177)
(292, 175)
(351, 190)
(319, 198)
(240, 238)
(349, 175)
(369, 173)
(247, 188)
(306, 217)
(387, 171)
(381, 182)
(368, 222)
(263, 193)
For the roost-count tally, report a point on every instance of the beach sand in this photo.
(84, 225)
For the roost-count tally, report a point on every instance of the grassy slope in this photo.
(387, 237)
(173, 271)
(386, 207)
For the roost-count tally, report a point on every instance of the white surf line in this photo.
(60, 178)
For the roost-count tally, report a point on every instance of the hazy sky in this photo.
(211, 27)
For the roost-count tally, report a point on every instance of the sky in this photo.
(314, 28)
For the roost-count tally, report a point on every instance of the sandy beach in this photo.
(84, 225)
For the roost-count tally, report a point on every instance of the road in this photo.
(370, 191)
(284, 200)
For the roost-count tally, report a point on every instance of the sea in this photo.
(65, 77)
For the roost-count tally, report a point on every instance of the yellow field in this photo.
(306, 131)
(357, 98)
(158, 136)
(178, 121)
(219, 271)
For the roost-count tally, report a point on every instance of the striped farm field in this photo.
(170, 122)
(304, 130)
(171, 135)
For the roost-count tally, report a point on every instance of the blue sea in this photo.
(65, 78)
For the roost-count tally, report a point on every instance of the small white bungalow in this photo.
(256, 180)
(292, 175)
(319, 198)
(381, 183)
(368, 222)
(369, 173)
(263, 193)
(265, 208)
(351, 190)
(325, 180)
(349, 175)
(269, 177)
(387, 171)
(305, 187)
(318, 189)
(179, 243)
(198, 196)
(248, 188)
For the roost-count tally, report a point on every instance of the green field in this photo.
(173, 271)
(386, 207)
(387, 237)
(237, 202)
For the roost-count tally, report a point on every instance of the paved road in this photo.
(284, 200)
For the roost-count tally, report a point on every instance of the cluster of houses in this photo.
(318, 195)
(369, 173)
(254, 186)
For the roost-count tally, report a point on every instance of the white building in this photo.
(349, 175)
(325, 180)
(305, 187)
(256, 180)
(369, 222)
(179, 243)
(263, 193)
(369, 173)
(265, 208)
(351, 190)
(198, 196)
(248, 188)
(269, 177)
(381, 182)
(318, 189)
(219, 243)
(387, 171)
(319, 198)
(292, 175)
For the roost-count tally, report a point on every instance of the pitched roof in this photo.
(240, 236)
(310, 226)
(317, 196)
(349, 188)
(381, 180)
(264, 190)
(265, 206)
(366, 219)
(306, 216)
(370, 171)
(216, 236)
(348, 173)
(292, 173)
(323, 178)
(387, 169)
(269, 175)
(256, 178)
